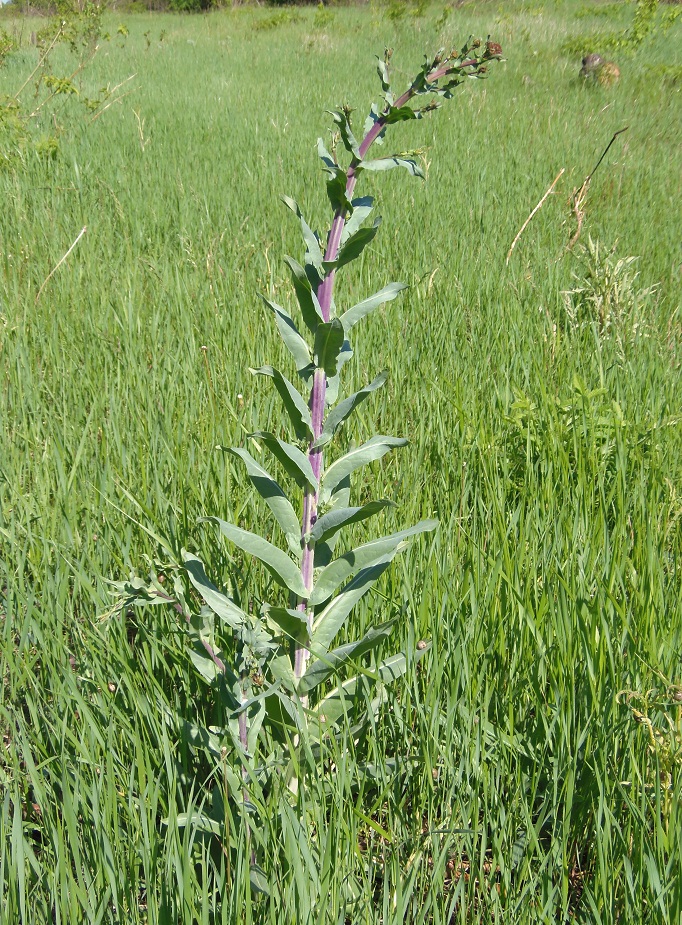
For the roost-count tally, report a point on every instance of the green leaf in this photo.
(354, 459)
(334, 574)
(354, 246)
(220, 604)
(354, 314)
(382, 71)
(339, 701)
(283, 570)
(349, 141)
(293, 341)
(333, 382)
(400, 114)
(293, 401)
(362, 208)
(331, 619)
(329, 340)
(293, 623)
(319, 670)
(329, 524)
(256, 699)
(343, 410)
(295, 463)
(313, 252)
(336, 182)
(206, 667)
(281, 670)
(259, 880)
(388, 163)
(201, 822)
(329, 165)
(273, 496)
(306, 296)
(373, 117)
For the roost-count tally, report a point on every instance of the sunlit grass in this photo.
(509, 782)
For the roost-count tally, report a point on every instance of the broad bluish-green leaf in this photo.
(362, 208)
(324, 551)
(256, 698)
(206, 667)
(200, 822)
(295, 463)
(255, 717)
(281, 669)
(313, 252)
(333, 382)
(382, 71)
(388, 163)
(345, 408)
(259, 880)
(293, 341)
(331, 619)
(338, 571)
(319, 670)
(200, 737)
(354, 314)
(370, 451)
(329, 165)
(293, 401)
(220, 604)
(273, 496)
(347, 136)
(329, 340)
(354, 246)
(371, 120)
(337, 180)
(293, 623)
(340, 497)
(401, 114)
(329, 524)
(339, 701)
(281, 567)
(307, 298)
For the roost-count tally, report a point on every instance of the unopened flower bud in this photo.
(493, 50)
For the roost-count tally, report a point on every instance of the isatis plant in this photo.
(274, 685)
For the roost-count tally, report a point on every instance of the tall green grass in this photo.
(507, 780)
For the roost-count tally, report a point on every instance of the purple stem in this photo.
(217, 661)
(319, 388)
(242, 721)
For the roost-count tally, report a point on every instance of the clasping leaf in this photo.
(342, 411)
(292, 400)
(329, 340)
(281, 567)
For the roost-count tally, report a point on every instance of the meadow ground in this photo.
(529, 769)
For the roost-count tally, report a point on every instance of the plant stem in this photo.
(319, 387)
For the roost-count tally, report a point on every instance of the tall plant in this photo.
(283, 657)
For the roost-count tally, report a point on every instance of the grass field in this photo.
(509, 778)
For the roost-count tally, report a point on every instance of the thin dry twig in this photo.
(70, 79)
(54, 270)
(536, 209)
(39, 64)
(579, 195)
(111, 103)
(110, 99)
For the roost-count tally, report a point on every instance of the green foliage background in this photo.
(506, 780)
